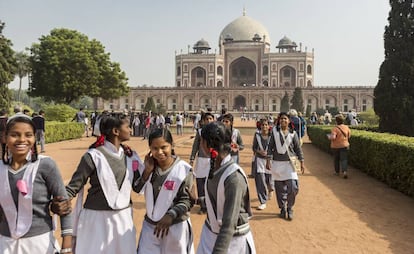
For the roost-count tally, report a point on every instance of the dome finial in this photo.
(244, 10)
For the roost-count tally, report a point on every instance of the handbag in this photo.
(294, 161)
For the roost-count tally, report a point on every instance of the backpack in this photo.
(177, 118)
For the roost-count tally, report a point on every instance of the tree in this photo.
(284, 104)
(150, 105)
(297, 100)
(23, 68)
(394, 93)
(66, 65)
(7, 68)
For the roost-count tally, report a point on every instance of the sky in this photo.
(144, 36)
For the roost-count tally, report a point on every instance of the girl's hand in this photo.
(149, 164)
(192, 194)
(61, 206)
(234, 147)
(268, 164)
(163, 226)
(262, 152)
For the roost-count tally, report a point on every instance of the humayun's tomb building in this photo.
(244, 74)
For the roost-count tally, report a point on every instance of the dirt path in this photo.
(332, 215)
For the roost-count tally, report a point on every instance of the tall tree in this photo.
(150, 105)
(297, 100)
(394, 93)
(284, 104)
(66, 65)
(7, 68)
(23, 68)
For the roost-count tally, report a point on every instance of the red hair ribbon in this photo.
(213, 153)
(100, 141)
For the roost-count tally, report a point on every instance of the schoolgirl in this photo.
(263, 176)
(202, 166)
(236, 139)
(28, 183)
(104, 224)
(166, 227)
(226, 229)
(284, 142)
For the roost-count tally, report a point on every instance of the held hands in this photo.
(61, 206)
(162, 227)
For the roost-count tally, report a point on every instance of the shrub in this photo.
(59, 131)
(387, 157)
(369, 117)
(59, 112)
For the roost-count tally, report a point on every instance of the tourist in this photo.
(166, 227)
(263, 177)
(202, 166)
(339, 137)
(179, 122)
(28, 184)
(135, 124)
(327, 118)
(39, 122)
(104, 223)
(80, 117)
(283, 144)
(226, 229)
(236, 139)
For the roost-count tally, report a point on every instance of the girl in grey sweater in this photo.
(28, 184)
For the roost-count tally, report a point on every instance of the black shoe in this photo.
(290, 214)
(283, 213)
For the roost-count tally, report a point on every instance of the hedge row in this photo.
(387, 157)
(59, 131)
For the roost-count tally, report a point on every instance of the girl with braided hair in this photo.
(28, 182)
(226, 229)
(104, 223)
(166, 227)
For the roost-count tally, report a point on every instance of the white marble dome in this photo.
(244, 28)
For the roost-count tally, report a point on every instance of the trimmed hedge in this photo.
(59, 131)
(387, 157)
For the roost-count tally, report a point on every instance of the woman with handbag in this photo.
(339, 137)
(284, 143)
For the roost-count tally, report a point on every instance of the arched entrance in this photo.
(239, 102)
(242, 73)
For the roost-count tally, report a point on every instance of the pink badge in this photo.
(135, 165)
(22, 187)
(169, 185)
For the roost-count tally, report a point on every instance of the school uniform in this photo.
(284, 175)
(165, 193)
(25, 194)
(202, 166)
(104, 223)
(236, 139)
(226, 229)
(263, 176)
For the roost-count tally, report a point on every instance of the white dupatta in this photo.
(156, 209)
(117, 198)
(19, 220)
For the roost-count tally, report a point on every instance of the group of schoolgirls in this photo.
(273, 147)
(32, 186)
